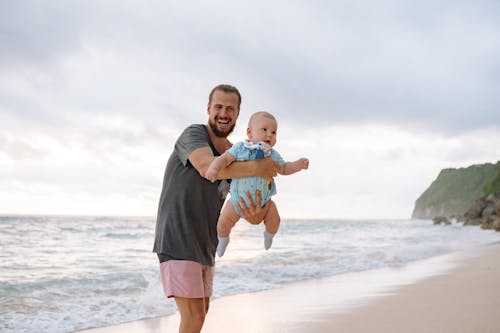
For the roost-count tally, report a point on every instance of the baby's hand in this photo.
(304, 163)
(211, 174)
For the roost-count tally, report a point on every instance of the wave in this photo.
(71, 274)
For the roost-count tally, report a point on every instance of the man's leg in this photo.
(191, 284)
(192, 312)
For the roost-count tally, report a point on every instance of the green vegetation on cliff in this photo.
(455, 190)
(493, 186)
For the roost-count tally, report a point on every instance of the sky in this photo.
(379, 95)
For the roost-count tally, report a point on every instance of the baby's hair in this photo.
(261, 113)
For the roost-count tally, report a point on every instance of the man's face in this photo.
(222, 113)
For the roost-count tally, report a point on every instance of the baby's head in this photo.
(262, 126)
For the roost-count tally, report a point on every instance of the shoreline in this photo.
(452, 292)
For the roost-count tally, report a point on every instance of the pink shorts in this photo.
(188, 279)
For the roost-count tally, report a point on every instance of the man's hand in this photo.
(267, 168)
(253, 213)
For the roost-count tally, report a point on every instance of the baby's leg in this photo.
(272, 218)
(272, 223)
(227, 219)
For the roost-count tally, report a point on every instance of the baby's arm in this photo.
(292, 167)
(217, 165)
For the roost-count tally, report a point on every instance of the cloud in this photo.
(381, 67)
(399, 85)
(18, 149)
(425, 64)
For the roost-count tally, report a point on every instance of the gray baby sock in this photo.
(268, 239)
(221, 247)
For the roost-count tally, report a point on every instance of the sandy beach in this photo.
(452, 293)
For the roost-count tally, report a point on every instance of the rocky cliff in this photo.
(455, 191)
(485, 212)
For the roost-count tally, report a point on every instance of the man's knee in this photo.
(198, 318)
(192, 313)
(193, 320)
(200, 314)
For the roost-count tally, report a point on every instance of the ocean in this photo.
(67, 273)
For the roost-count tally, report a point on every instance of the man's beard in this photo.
(218, 133)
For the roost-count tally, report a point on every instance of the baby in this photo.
(261, 131)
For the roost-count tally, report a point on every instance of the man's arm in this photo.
(217, 165)
(201, 159)
(266, 168)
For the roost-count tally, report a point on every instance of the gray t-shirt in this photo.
(186, 224)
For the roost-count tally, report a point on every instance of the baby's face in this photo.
(264, 129)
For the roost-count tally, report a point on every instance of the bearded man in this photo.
(189, 207)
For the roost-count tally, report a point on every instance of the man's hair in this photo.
(228, 89)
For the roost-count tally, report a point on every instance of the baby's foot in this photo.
(268, 239)
(221, 247)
